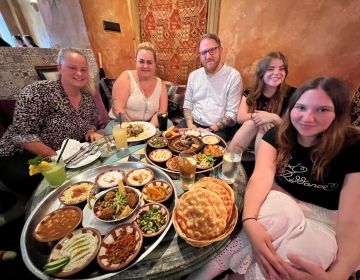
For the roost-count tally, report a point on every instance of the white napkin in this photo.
(71, 148)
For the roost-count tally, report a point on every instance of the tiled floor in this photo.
(10, 240)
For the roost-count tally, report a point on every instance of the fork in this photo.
(91, 152)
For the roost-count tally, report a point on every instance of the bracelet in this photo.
(250, 218)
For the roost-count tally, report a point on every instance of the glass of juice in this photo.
(187, 169)
(162, 120)
(120, 137)
(230, 166)
(54, 173)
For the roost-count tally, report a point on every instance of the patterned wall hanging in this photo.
(174, 27)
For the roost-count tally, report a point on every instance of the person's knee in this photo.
(280, 214)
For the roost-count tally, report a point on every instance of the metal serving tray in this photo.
(175, 174)
(35, 254)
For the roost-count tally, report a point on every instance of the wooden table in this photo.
(173, 258)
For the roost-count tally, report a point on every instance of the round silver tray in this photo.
(35, 254)
(163, 167)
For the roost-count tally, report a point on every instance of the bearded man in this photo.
(213, 91)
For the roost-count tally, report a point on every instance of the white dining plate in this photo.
(88, 159)
(89, 219)
(149, 130)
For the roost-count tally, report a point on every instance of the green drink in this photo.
(54, 174)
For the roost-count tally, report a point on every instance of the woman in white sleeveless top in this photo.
(138, 95)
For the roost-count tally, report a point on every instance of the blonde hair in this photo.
(146, 46)
(90, 85)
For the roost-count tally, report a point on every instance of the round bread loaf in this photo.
(219, 187)
(201, 214)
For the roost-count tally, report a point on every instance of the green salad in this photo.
(151, 221)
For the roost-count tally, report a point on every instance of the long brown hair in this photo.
(329, 143)
(276, 101)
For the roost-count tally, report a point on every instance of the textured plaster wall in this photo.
(318, 37)
(117, 49)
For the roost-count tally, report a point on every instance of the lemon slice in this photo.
(121, 187)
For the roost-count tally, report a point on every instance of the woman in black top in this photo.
(262, 107)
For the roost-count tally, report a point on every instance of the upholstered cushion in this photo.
(7, 108)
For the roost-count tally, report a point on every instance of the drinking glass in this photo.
(54, 173)
(120, 137)
(187, 169)
(230, 165)
(162, 120)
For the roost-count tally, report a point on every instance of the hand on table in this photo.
(92, 136)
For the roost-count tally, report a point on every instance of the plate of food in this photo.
(152, 219)
(139, 177)
(119, 247)
(209, 156)
(139, 130)
(157, 191)
(73, 252)
(76, 193)
(116, 204)
(185, 142)
(90, 220)
(109, 178)
(57, 224)
(36, 253)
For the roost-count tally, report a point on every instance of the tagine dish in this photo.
(208, 147)
(62, 241)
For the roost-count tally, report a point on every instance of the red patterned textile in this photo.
(174, 27)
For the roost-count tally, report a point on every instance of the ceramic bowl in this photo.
(139, 177)
(157, 191)
(76, 193)
(81, 245)
(173, 163)
(57, 224)
(109, 178)
(152, 219)
(157, 142)
(160, 155)
(106, 211)
(128, 235)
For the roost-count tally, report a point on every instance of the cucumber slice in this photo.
(60, 261)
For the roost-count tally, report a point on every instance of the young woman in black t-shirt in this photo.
(299, 217)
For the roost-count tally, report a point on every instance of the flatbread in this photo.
(201, 214)
(222, 189)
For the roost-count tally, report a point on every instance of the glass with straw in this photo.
(54, 171)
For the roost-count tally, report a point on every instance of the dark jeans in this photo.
(227, 133)
(14, 173)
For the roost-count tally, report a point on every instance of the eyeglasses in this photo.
(211, 51)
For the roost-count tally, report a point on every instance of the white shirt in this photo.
(213, 96)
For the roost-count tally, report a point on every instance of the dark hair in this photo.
(212, 36)
(329, 143)
(276, 101)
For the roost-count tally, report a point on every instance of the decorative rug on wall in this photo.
(174, 27)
